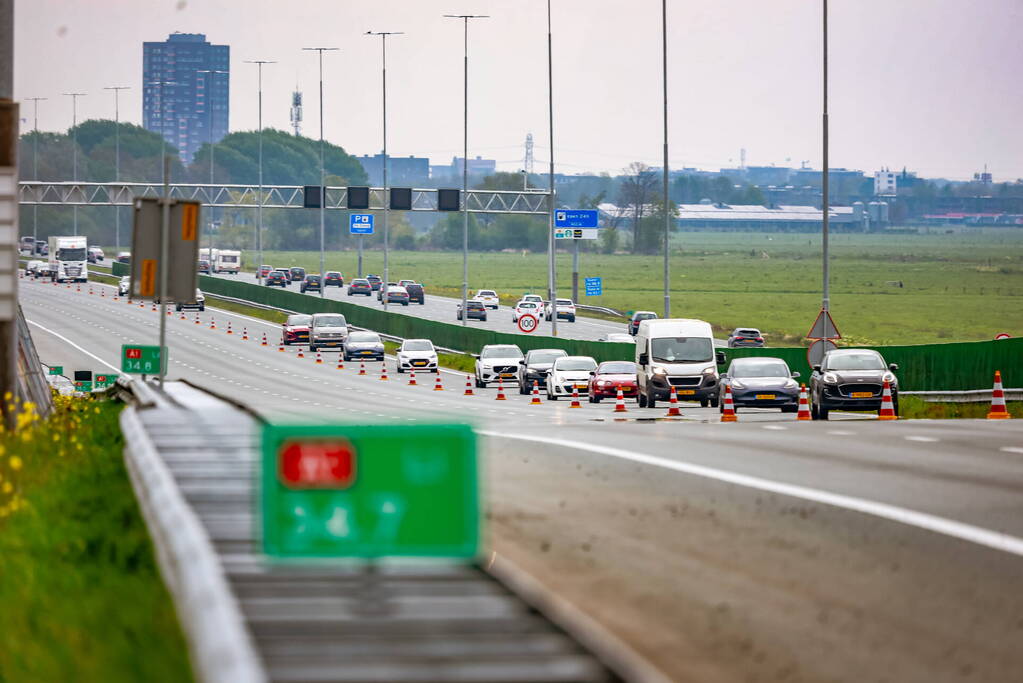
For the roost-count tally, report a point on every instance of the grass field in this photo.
(955, 287)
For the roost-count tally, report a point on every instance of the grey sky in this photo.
(933, 85)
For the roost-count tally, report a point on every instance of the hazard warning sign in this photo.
(823, 327)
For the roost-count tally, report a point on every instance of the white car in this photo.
(535, 298)
(32, 267)
(619, 337)
(568, 374)
(488, 297)
(524, 307)
(497, 361)
(566, 310)
(123, 285)
(199, 303)
(417, 354)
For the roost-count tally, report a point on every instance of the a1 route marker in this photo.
(367, 491)
(139, 359)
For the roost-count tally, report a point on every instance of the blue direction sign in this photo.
(575, 218)
(594, 286)
(360, 224)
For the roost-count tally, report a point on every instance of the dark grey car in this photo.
(761, 382)
(364, 346)
(534, 367)
(851, 379)
(745, 337)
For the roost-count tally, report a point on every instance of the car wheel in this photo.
(813, 411)
(651, 400)
(400, 371)
(789, 409)
(479, 384)
(641, 399)
(704, 402)
(572, 319)
(551, 397)
(522, 389)
(312, 348)
(714, 401)
(822, 412)
(483, 319)
(202, 308)
(177, 309)
(895, 405)
(595, 399)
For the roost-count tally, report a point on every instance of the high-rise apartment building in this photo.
(185, 85)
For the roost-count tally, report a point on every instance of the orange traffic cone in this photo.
(362, 367)
(412, 379)
(383, 371)
(263, 343)
(437, 385)
(229, 327)
(280, 346)
(213, 323)
(536, 394)
(728, 409)
(998, 410)
(468, 386)
(673, 410)
(500, 391)
(169, 312)
(319, 358)
(575, 399)
(887, 407)
(804, 404)
(245, 334)
(340, 363)
(183, 316)
(300, 354)
(154, 308)
(197, 321)
(620, 402)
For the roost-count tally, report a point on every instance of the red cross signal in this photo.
(317, 464)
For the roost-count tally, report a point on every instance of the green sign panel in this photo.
(141, 360)
(104, 381)
(370, 491)
(56, 369)
(85, 386)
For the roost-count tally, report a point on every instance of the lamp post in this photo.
(74, 145)
(552, 272)
(209, 130)
(323, 192)
(667, 216)
(825, 199)
(465, 165)
(35, 165)
(387, 202)
(117, 155)
(259, 207)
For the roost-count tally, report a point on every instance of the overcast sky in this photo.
(933, 85)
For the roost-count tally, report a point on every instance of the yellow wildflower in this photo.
(15, 463)
(7, 487)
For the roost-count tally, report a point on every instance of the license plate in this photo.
(862, 394)
(686, 392)
(581, 386)
(366, 353)
(507, 375)
(419, 363)
(765, 397)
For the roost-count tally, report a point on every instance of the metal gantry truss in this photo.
(274, 196)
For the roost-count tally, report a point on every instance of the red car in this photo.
(611, 375)
(296, 329)
(263, 271)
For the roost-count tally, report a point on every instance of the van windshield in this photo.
(682, 349)
(330, 321)
(68, 254)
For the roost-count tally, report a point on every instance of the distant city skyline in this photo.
(931, 85)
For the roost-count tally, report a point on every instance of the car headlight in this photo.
(710, 371)
(791, 384)
(890, 378)
(736, 384)
(660, 371)
(830, 378)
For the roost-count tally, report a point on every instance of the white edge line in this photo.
(71, 343)
(922, 520)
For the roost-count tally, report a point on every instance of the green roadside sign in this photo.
(83, 385)
(56, 370)
(104, 381)
(365, 491)
(141, 360)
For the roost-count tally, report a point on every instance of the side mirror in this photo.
(522, 362)
(816, 368)
(644, 359)
(795, 375)
(720, 357)
(723, 375)
(476, 356)
(893, 367)
(593, 373)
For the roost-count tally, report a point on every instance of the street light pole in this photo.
(117, 155)
(387, 203)
(323, 192)
(35, 165)
(551, 244)
(667, 213)
(74, 145)
(825, 199)
(465, 164)
(209, 132)
(259, 207)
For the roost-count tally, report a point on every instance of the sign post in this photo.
(369, 491)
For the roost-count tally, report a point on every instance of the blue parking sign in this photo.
(594, 286)
(360, 224)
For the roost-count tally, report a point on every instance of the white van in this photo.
(677, 352)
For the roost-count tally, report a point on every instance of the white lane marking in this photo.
(839, 432)
(71, 343)
(941, 525)
(924, 439)
(776, 428)
(1011, 449)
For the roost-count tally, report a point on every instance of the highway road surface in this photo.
(766, 550)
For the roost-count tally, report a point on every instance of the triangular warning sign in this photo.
(823, 327)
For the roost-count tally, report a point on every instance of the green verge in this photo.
(82, 597)
(915, 408)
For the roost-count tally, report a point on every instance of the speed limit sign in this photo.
(528, 322)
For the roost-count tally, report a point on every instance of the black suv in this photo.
(297, 274)
(851, 379)
(416, 293)
(637, 318)
(374, 281)
(310, 283)
(534, 367)
(276, 279)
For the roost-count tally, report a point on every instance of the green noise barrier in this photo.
(958, 366)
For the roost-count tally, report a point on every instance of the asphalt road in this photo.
(768, 549)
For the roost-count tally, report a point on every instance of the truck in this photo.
(222, 260)
(67, 259)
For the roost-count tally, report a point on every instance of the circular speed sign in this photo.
(528, 322)
(1003, 335)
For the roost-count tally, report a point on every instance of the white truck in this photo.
(68, 259)
(222, 260)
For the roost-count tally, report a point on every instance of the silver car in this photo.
(417, 354)
(363, 344)
(327, 330)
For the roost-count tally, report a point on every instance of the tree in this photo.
(636, 192)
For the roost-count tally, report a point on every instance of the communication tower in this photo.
(296, 112)
(528, 161)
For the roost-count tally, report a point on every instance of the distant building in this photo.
(407, 171)
(885, 183)
(177, 101)
(734, 217)
(477, 167)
